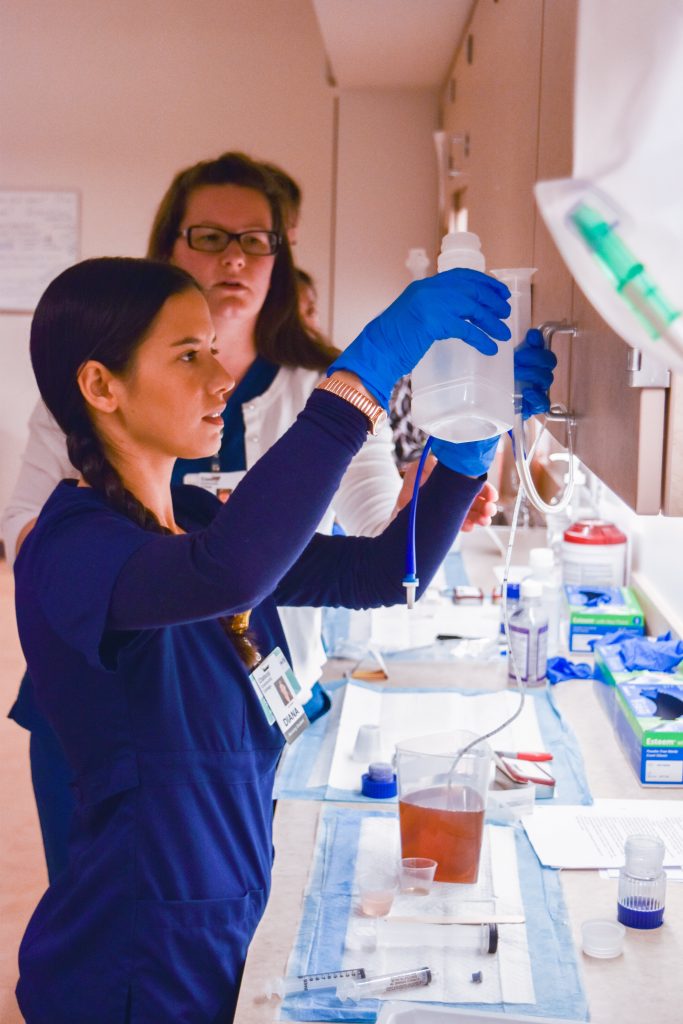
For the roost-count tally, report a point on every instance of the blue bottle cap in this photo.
(379, 782)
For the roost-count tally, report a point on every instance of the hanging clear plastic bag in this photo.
(618, 221)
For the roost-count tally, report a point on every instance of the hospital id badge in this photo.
(277, 688)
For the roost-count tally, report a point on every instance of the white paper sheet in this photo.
(405, 942)
(593, 837)
(402, 715)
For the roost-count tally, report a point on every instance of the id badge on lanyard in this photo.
(277, 688)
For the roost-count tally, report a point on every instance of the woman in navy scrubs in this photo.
(132, 599)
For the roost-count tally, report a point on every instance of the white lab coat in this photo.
(363, 503)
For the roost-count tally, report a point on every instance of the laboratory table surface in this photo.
(644, 984)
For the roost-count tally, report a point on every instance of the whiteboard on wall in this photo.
(39, 237)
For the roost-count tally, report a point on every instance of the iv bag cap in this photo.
(644, 855)
(531, 588)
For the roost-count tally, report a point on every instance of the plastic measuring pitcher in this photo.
(458, 393)
(442, 801)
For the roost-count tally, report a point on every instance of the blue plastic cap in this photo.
(376, 789)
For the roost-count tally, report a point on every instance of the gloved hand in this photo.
(471, 458)
(458, 303)
(534, 367)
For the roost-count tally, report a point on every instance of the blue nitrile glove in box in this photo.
(464, 304)
(591, 597)
(594, 613)
(641, 653)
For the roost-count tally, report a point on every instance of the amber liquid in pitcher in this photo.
(445, 823)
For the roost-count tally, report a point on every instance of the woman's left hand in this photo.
(482, 509)
(534, 365)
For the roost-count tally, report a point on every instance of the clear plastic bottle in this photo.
(642, 883)
(459, 394)
(529, 637)
(548, 573)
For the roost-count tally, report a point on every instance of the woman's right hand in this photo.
(463, 304)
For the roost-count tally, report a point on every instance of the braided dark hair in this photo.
(103, 309)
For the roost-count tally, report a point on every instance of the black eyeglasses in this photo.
(253, 243)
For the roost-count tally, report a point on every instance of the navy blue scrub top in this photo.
(173, 762)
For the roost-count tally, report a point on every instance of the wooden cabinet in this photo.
(510, 96)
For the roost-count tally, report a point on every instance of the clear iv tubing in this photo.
(411, 567)
(523, 461)
(410, 580)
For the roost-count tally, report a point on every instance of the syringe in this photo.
(280, 987)
(385, 983)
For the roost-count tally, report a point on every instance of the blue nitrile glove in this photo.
(641, 653)
(457, 303)
(559, 669)
(534, 365)
(471, 458)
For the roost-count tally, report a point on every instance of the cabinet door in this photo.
(553, 284)
(492, 100)
(672, 491)
(620, 429)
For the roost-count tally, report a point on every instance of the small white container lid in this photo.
(541, 558)
(602, 939)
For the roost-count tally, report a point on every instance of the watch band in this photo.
(375, 413)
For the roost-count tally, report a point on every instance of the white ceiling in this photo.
(389, 44)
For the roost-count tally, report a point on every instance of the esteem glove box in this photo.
(592, 613)
(646, 710)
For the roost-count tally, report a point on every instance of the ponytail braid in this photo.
(87, 455)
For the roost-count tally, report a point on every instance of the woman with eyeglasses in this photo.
(127, 595)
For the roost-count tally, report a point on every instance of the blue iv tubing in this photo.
(410, 580)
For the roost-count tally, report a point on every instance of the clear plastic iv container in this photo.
(529, 637)
(459, 394)
(642, 883)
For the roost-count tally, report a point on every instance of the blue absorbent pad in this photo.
(319, 943)
(293, 781)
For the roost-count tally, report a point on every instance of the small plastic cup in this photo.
(377, 888)
(417, 875)
(368, 745)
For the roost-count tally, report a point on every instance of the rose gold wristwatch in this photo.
(376, 415)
